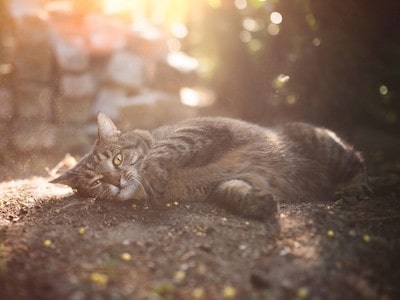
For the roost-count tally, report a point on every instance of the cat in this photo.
(242, 166)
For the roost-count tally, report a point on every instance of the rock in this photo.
(20, 8)
(105, 34)
(73, 110)
(77, 85)
(109, 101)
(32, 30)
(173, 72)
(28, 137)
(34, 63)
(126, 69)
(6, 104)
(149, 42)
(73, 139)
(5, 135)
(34, 57)
(33, 101)
(152, 109)
(69, 57)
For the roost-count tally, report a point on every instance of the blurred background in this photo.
(151, 62)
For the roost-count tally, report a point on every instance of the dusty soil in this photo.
(54, 245)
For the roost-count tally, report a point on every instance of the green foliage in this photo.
(333, 62)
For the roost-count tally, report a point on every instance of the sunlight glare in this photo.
(197, 97)
(182, 62)
(273, 29)
(280, 81)
(214, 3)
(179, 30)
(116, 6)
(276, 18)
(283, 78)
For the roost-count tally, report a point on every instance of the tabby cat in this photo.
(244, 167)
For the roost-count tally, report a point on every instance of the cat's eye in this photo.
(117, 160)
(95, 183)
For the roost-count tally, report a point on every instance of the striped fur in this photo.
(242, 166)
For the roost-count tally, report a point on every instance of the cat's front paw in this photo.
(154, 180)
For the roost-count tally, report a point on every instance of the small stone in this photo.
(303, 293)
(198, 293)
(366, 238)
(99, 278)
(179, 276)
(47, 243)
(126, 256)
(229, 292)
(82, 230)
(330, 233)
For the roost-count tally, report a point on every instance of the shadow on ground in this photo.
(54, 245)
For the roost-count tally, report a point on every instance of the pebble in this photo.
(229, 292)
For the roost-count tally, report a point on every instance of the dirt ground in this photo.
(54, 245)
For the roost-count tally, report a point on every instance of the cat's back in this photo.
(210, 127)
(324, 147)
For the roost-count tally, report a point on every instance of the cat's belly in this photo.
(190, 185)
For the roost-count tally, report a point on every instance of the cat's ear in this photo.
(68, 178)
(106, 127)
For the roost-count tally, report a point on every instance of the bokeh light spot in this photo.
(179, 30)
(316, 42)
(276, 18)
(383, 90)
(273, 29)
(245, 36)
(250, 24)
(240, 4)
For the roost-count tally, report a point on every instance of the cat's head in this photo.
(112, 169)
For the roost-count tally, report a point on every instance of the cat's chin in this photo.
(126, 193)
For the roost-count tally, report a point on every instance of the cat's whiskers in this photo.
(137, 180)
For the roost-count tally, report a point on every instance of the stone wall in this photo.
(60, 70)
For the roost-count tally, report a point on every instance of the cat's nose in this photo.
(113, 178)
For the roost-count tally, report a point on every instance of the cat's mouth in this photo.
(127, 191)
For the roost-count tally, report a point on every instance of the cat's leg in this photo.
(187, 147)
(240, 197)
(357, 187)
(154, 180)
